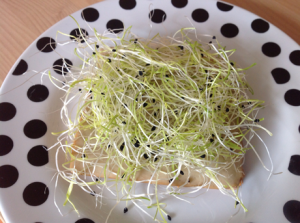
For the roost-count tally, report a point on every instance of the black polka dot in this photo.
(299, 128)
(35, 194)
(127, 4)
(157, 16)
(260, 26)
(200, 15)
(84, 220)
(280, 75)
(292, 97)
(115, 26)
(46, 44)
(38, 156)
(271, 49)
(76, 35)
(229, 30)
(295, 57)
(179, 3)
(62, 65)
(38, 93)
(35, 129)
(224, 7)
(294, 166)
(8, 176)
(90, 14)
(21, 68)
(7, 111)
(291, 211)
(6, 145)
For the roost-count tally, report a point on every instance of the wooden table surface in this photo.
(21, 22)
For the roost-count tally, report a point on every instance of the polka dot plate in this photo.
(29, 112)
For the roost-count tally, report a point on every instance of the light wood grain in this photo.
(22, 21)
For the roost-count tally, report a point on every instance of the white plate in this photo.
(26, 168)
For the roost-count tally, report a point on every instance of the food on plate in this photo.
(167, 110)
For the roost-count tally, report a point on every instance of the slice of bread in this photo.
(233, 174)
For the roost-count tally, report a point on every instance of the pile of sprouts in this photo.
(161, 105)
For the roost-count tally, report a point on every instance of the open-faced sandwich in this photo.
(171, 111)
